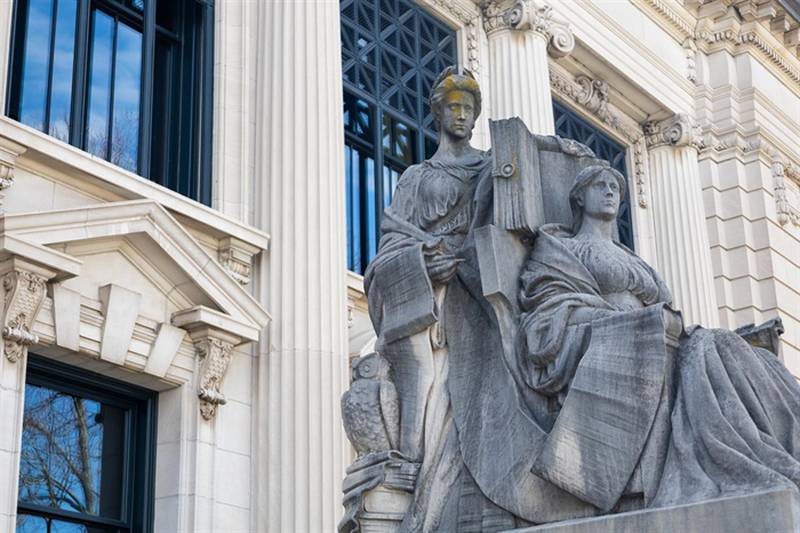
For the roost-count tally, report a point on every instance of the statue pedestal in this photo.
(774, 512)
(384, 510)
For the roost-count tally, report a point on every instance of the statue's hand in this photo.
(442, 267)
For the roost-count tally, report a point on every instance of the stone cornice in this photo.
(759, 27)
(536, 16)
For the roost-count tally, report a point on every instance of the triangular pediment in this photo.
(141, 241)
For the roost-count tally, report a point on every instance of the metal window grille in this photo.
(392, 51)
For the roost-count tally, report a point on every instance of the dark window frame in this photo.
(188, 166)
(413, 83)
(141, 406)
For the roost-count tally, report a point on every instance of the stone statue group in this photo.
(529, 368)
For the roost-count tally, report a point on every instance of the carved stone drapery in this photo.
(530, 15)
(215, 356)
(23, 294)
(678, 130)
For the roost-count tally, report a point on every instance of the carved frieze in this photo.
(530, 15)
(23, 294)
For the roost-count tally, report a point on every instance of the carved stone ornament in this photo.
(678, 130)
(530, 15)
(782, 172)
(9, 152)
(236, 257)
(23, 294)
(215, 357)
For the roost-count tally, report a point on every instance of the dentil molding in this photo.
(529, 15)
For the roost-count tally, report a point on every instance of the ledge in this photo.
(47, 149)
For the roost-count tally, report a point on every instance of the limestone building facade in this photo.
(188, 200)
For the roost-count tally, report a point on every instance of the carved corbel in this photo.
(236, 257)
(678, 130)
(9, 152)
(23, 293)
(214, 335)
(530, 15)
(25, 270)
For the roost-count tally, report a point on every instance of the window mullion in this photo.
(146, 111)
(50, 58)
(113, 78)
(80, 76)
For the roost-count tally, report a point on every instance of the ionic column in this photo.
(681, 234)
(520, 35)
(300, 201)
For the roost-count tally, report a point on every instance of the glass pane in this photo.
(100, 83)
(31, 524)
(36, 66)
(160, 154)
(353, 207)
(63, 52)
(368, 174)
(72, 453)
(127, 90)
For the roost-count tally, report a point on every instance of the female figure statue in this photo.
(730, 420)
(591, 411)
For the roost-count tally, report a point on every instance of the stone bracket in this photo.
(25, 270)
(214, 335)
(236, 257)
(9, 152)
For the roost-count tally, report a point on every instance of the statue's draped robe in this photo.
(734, 411)
(503, 432)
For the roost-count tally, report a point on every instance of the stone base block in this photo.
(384, 510)
(765, 512)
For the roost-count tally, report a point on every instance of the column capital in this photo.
(678, 130)
(535, 16)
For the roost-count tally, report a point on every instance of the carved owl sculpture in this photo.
(371, 409)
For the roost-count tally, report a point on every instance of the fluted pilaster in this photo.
(521, 34)
(681, 234)
(300, 202)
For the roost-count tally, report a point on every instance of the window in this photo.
(88, 453)
(571, 126)
(392, 52)
(126, 80)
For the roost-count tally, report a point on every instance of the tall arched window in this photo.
(392, 50)
(571, 126)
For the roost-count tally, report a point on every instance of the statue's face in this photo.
(601, 197)
(457, 114)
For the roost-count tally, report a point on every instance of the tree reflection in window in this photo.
(70, 446)
(87, 453)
